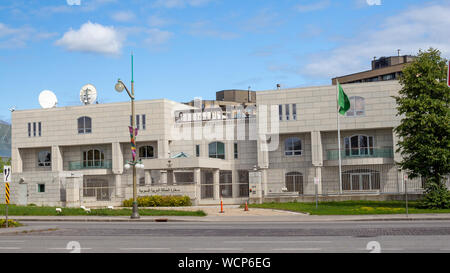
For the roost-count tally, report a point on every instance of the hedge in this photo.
(159, 201)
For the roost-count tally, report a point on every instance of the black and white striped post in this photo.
(7, 179)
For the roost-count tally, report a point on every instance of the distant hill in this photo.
(5, 139)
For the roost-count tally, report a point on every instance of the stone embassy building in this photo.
(268, 150)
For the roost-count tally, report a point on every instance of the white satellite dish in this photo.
(88, 94)
(47, 99)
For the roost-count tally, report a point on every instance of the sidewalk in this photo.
(235, 214)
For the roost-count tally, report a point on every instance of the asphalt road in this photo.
(229, 237)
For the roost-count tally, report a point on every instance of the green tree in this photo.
(424, 130)
(4, 162)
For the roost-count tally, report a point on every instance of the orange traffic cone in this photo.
(246, 206)
(221, 206)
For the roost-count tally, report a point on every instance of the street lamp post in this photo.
(120, 86)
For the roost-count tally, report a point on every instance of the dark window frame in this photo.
(83, 128)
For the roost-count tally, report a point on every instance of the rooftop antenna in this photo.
(248, 99)
(88, 94)
(47, 99)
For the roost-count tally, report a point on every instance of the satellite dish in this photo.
(47, 99)
(88, 94)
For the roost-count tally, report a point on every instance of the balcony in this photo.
(383, 152)
(90, 165)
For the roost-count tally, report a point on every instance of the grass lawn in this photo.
(350, 207)
(51, 211)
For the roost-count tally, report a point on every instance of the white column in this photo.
(197, 185)
(117, 158)
(216, 181)
(163, 179)
(236, 186)
(118, 185)
(163, 148)
(16, 161)
(148, 177)
(57, 162)
(319, 175)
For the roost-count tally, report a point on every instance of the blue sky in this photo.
(193, 48)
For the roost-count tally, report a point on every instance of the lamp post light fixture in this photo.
(120, 86)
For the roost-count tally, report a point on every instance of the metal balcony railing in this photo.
(384, 152)
(86, 165)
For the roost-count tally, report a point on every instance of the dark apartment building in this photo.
(383, 69)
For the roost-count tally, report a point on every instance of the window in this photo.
(142, 181)
(146, 152)
(280, 111)
(41, 188)
(293, 146)
(357, 107)
(359, 145)
(39, 128)
(143, 122)
(287, 111)
(197, 150)
(93, 158)
(34, 128)
(84, 125)
(360, 179)
(29, 129)
(243, 183)
(44, 159)
(294, 182)
(236, 151)
(294, 111)
(216, 150)
(138, 120)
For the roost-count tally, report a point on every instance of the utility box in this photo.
(255, 187)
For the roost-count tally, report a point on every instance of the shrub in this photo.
(159, 201)
(11, 223)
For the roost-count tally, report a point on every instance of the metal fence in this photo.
(356, 180)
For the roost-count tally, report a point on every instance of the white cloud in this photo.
(265, 20)
(373, 2)
(180, 3)
(313, 6)
(157, 37)
(73, 2)
(11, 37)
(411, 30)
(92, 37)
(204, 28)
(123, 16)
(156, 21)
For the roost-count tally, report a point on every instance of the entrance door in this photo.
(356, 180)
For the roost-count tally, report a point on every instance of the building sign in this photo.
(232, 112)
(159, 190)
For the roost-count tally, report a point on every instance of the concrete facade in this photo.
(210, 157)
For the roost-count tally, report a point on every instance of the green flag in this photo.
(343, 101)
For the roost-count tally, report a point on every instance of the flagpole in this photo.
(339, 137)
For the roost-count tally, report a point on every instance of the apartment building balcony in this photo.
(88, 165)
(360, 156)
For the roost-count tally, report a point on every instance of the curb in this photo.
(247, 219)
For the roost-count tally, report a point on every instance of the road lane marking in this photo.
(10, 248)
(286, 242)
(218, 249)
(296, 249)
(63, 248)
(144, 248)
